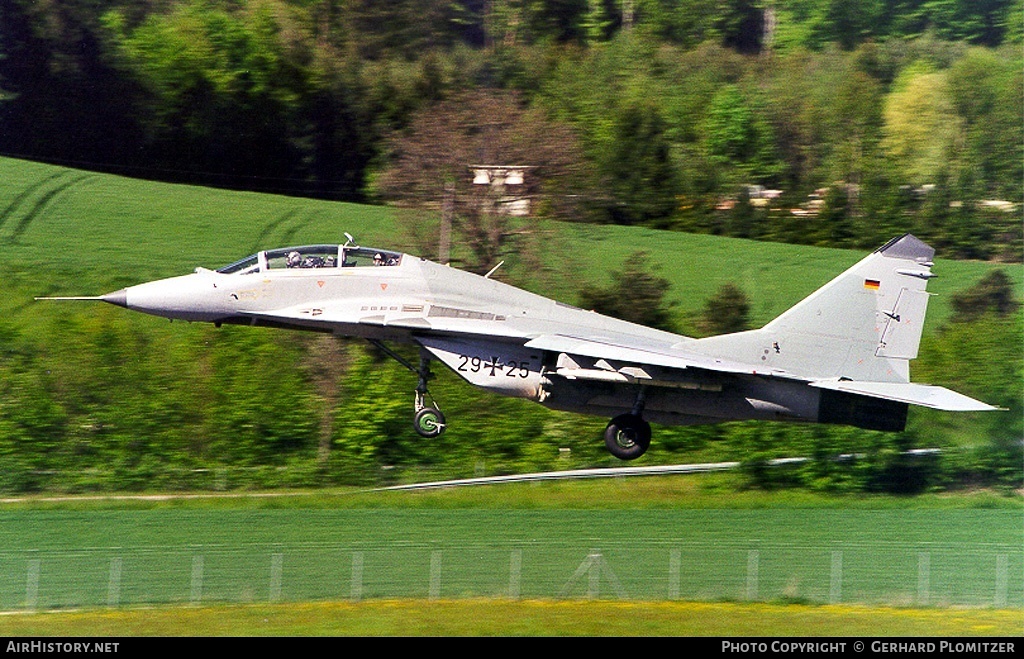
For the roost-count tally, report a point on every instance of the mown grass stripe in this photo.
(43, 203)
(21, 197)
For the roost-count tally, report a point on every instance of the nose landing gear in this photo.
(428, 421)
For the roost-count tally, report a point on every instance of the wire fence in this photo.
(900, 575)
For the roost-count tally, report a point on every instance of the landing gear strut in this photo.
(428, 421)
(628, 436)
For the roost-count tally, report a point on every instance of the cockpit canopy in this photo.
(312, 256)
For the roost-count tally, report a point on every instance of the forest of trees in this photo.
(834, 122)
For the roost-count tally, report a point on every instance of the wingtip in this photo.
(908, 246)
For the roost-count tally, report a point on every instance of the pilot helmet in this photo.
(294, 258)
(378, 257)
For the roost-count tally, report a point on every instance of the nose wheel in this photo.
(428, 420)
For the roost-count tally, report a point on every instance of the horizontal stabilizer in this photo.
(926, 395)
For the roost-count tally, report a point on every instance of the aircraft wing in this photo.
(640, 353)
(925, 395)
(637, 357)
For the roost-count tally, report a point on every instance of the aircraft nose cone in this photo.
(118, 298)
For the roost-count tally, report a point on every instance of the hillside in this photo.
(79, 232)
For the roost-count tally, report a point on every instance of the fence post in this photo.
(276, 569)
(32, 584)
(923, 577)
(835, 591)
(435, 574)
(515, 573)
(356, 589)
(114, 585)
(753, 558)
(594, 575)
(196, 594)
(674, 561)
(1002, 579)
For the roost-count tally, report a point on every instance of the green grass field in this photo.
(517, 559)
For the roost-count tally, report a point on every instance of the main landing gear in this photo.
(428, 421)
(628, 436)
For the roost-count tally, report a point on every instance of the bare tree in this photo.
(431, 165)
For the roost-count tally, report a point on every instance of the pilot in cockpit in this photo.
(294, 259)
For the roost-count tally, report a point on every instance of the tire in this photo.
(429, 422)
(627, 436)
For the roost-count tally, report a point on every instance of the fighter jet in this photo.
(840, 356)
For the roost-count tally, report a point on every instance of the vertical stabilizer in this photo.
(863, 325)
